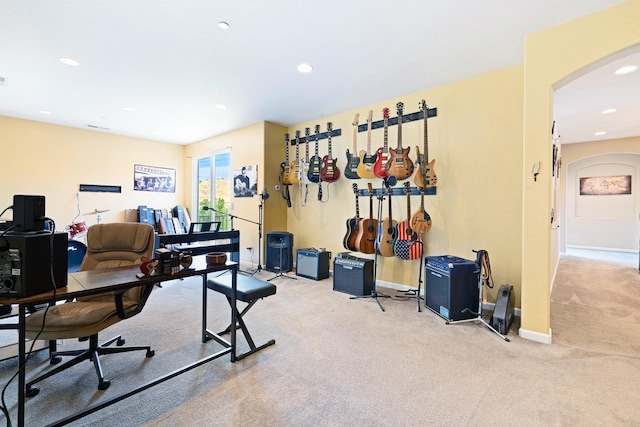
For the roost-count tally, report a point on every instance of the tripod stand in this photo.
(480, 257)
(280, 273)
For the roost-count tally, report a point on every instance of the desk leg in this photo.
(21, 363)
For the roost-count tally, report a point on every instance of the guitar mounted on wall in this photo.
(421, 220)
(399, 163)
(368, 229)
(294, 176)
(425, 176)
(329, 172)
(304, 163)
(407, 244)
(351, 170)
(353, 224)
(315, 164)
(285, 171)
(367, 160)
(382, 155)
(386, 232)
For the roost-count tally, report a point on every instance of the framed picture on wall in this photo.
(605, 185)
(154, 178)
(245, 181)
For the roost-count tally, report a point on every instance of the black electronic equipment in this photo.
(504, 311)
(28, 213)
(353, 275)
(451, 286)
(279, 251)
(312, 263)
(26, 260)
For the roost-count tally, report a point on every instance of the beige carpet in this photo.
(339, 362)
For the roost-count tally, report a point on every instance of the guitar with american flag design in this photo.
(407, 244)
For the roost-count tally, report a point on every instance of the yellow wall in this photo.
(476, 143)
(50, 160)
(551, 56)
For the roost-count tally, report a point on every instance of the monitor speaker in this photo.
(279, 251)
(28, 213)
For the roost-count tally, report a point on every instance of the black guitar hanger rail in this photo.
(312, 138)
(392, 121)
(397, 191)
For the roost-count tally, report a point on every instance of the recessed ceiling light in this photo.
(223, 25)
(627, 69)
(305, 68)
(69, 61)
(609, 111)
(221, 107)
(129, 109)
(599, 133)
(44, 112)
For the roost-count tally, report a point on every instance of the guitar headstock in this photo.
(307, 132)
(297, 137)
(286, 139)
(355, 188)
(355, 119)
(407, 187)
(317, 132)
(370, 188)
(385, 113)
(399, 108)
(370, 116)
(329, 128)
(423, 106)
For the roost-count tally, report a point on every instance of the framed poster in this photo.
(245, 181)
(154, 178)
(605, 185)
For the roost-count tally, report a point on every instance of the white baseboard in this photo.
(535, 336)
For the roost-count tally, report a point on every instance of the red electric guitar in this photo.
(329, 172)
(380, 166)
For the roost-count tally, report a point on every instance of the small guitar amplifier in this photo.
(312, 263)
(353, 275)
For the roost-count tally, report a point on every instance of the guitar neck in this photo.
(426, 137)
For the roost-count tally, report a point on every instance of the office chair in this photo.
(108, 245)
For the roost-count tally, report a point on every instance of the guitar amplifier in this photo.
(451, 286)
(353, 275)
(312, 263)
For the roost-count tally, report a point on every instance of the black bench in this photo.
(249, 290)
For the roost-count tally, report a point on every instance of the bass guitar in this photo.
(425, 175)
(315, 163)
(285, 168)
(380, 167)
(294, 176)
(351, 170)
(367, 230)
(367, 160)
(329, 172)
(407, 243)
(399, 163)
(386, 232)
(353, 224)
(421, 220)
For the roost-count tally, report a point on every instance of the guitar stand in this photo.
(375, 295)
(410, 293)
(479, 315)
(280, 273)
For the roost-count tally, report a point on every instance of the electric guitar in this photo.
(406, 244)
(285, 168)
(367, 160)
(386, 232)
(316, 161)
(294, 176)
(329, 172)
(425, 175)
(365, 241)
(380, 167)
(399, 163)
(351, 170)
(304, 164)
(421, 221)
(284, 188)
(349, 240)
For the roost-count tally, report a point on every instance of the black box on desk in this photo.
(312, 263)
(353, 275)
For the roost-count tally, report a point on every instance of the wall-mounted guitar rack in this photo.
(398, 191)
(312, 138)
(392, 121)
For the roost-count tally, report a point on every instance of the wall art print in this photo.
(153, 178)
(605, 185)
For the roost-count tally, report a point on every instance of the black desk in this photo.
(120, 279)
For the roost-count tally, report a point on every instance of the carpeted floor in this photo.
(339, 362)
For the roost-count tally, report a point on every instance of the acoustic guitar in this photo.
(407, 243)
(294, 176)
(315, 163)
(353, 224)
(399, 163)
(386, 232)
(329, 172)
(351, 170)
(382, 155)
(367, 160)
(425, 175)
(285, 167)
(366, 239)
(304, 163)
(421, 220)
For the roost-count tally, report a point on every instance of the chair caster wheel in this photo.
(55, 360)
(104, 385)
(32, 391)
(120, 342)
(151, 353)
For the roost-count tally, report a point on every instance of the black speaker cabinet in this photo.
(312, 263)
(28, 213)
(353, 275)
(279, 251)
(25, 263)
(451, 286)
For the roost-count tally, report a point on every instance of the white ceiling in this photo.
(169, 61)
